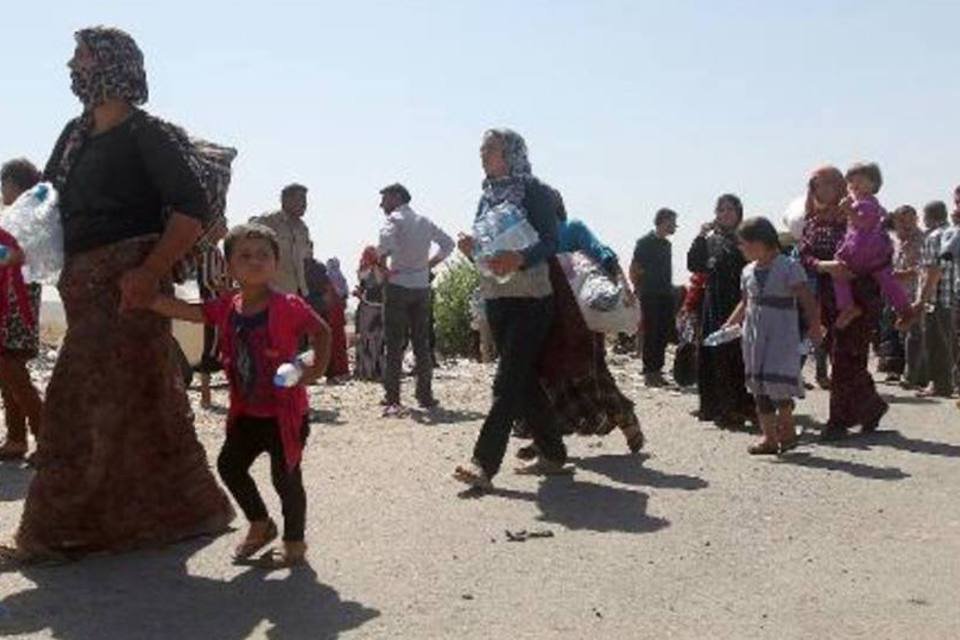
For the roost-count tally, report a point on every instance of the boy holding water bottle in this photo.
(260, 330)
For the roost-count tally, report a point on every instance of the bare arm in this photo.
(811, 311)
(636, 275)
(931, 278)
(736, 318)
(177, 309)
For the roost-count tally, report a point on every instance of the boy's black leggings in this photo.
(246, 440)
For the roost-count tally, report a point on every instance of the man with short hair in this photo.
(294, 238)
(907, 268)
(406, 239)
(936, 301)
(651, 273)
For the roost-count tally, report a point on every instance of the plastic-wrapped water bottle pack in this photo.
(34, 220)
(501, 228)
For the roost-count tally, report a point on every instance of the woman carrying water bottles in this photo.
(520, 308)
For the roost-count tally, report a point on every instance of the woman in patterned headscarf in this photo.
(119, 465)
(853, 396)
(520, 312)
(371, 354)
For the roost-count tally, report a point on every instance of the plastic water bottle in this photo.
(289, 373)
(723, 336)
(4, 252)
(806, 347)
(503, 228)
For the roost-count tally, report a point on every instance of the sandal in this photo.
(528, 452)
(246, 549)
(545, 467)
(473, 475)
(764, 448)
(281, 559)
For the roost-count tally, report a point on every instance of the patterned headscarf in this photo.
(369, 258)
(512, 187)
(826, 174)
(117, 71)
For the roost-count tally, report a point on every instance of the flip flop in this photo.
(277, 559)
(246, 549)
(473, 475)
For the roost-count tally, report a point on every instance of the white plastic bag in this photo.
(501, 228)
(602, 301)
(34, 220)
(794, 217)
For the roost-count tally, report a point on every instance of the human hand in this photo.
(139, 288)
(505, 263)
(706, 228)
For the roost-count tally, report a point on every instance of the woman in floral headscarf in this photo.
(853, 396)
(520, 312)
(119, 465)
(371, 354)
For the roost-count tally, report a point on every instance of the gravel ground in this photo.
(694, 539)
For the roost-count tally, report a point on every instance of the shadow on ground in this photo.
(151, 595)
(14, 480)
(440, 415)
(860, 470)
(630, 469)
(579, 505)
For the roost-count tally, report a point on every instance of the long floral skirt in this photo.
(119, 465)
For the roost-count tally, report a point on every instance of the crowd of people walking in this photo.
(118, 464)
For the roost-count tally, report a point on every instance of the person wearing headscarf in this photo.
(573, 368)
(19, 324)
(119, 465)
(721, 384)
(519, 305)
(853, 396)
(337, 278)
(371, 354)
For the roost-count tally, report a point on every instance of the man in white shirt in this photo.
(406, 239)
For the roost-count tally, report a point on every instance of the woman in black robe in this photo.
(723, 395)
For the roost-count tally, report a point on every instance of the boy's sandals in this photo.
(282, 558)
(473, 475)
(545, 467)
(246, 549)
(13, 450)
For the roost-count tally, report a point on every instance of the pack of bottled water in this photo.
(34, 220)
(501, 228)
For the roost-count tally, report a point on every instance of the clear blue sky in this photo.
(626, 106)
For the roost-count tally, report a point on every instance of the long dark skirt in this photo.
(853, 395)
(119, 465)
(722, 385)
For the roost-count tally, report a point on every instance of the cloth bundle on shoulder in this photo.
(209, 162)
(602, 301)
(34, 220)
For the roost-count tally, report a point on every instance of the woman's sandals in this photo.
(249, 547)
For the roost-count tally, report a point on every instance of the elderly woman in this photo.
(19, 328)
(520, 312)
(724, 399)
(119, 463)
(853, 396)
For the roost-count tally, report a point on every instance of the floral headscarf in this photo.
(117, 71)
(826, 174)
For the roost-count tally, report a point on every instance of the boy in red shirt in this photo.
(260, 329)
